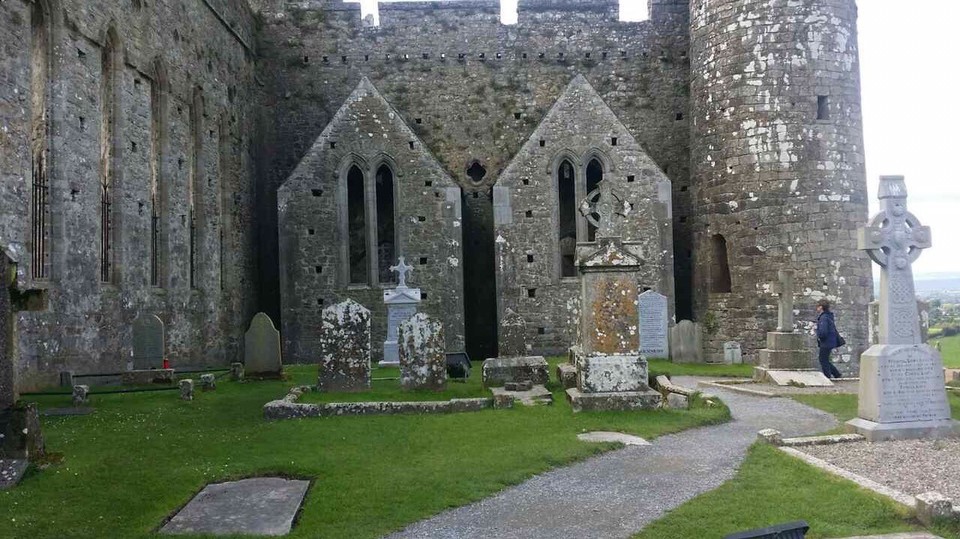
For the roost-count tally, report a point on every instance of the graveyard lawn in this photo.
(773, 488)
(949, 350)
(663, 366)
(844, 406)
(140, 457)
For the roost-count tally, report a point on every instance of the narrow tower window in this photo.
(823, 107)
(594, 177)
(156, 160)
(386, 237)
(40, 192)
(195, 217)
(108, 147)
(357, 227)
(720, 270)
(567, 218)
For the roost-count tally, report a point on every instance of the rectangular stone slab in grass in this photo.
(423, 361)
(261, 348)
(148, 342)
(498, 371)
(258, 506)
(344, 348)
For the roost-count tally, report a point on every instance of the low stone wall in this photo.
(289, 408)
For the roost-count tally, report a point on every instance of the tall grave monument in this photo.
(786, 359)
(401, 304)
(611, 372)
(902, 392)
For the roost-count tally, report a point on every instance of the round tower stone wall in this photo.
(778, 168)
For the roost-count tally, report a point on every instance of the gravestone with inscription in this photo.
(653, 324)
(902, 392)
(401, 303)
(732, 353)
(148, 350)
(261, 350)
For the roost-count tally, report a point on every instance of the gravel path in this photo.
(618, 493)
(910, 466)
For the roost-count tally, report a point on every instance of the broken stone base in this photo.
(798, 377)
(259, 506)
(11, 471)
(498, 371)
(148, 376)
(909, 430)
(567, 375)
(21, 435)
(786, 351)
(619, 401)
(530, 397)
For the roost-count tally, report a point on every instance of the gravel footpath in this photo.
(618, 493)
(910, 466)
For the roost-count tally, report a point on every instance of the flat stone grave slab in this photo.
(73, 410)
(600, 437)
(799, 378)
(11, 470)
(531, 397)
(258, 506)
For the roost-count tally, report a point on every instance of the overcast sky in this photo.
(910, 58)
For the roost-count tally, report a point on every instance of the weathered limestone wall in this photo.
(188, 54)
(777, 153)
(471, 88)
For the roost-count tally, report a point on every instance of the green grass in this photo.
(662, 366)
(140, 457)
(949, 350)
(844, 406)
(773, 488)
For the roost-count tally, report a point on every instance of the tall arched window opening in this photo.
(157, 111)
(357, 227)
(194, 192)
(386, 224)
(720, 270)
(39, 116)
(567, 218)
(109, 65)
(594, 177)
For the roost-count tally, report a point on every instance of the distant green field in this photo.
(950, 350)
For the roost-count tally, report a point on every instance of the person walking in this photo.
(827, 338)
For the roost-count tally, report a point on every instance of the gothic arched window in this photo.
(386, 224)
(567, 218)
(357, 227)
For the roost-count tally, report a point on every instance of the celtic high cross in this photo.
(608, 212)
(894, 239)
(784, 288)
(401, 269)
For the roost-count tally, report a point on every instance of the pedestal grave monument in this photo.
(402, 303)
(902, 393)
(787, 360)
(611, 373)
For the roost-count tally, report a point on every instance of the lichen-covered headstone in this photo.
(80, 393)
(186, 390)
(423, 360)
(148, 348)
(513, 335)
(208, 382)
(344, 348)
(261, 350)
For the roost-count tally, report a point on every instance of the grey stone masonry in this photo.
(8, 371)
(777, 164)
(423, 359)
(160, 95)
(367, 140)
(344, 348)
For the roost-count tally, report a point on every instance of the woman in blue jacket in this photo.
(826, 338)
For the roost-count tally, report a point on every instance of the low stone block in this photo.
(933, 507)
(499, 371)
(186, 390)
(502, 400)
(534, 396)
(148, 376)
(678, 402)
(770, 436)
(616, 437)
(567, 375)
(798, 378)
(525, 385)
(236, 372)
(618, 401)
(208, 382)
(80, 394)
(612, 373)
(787, 359)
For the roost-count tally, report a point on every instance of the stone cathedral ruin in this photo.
(203, 160)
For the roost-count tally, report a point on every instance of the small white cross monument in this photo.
(901, 380)
(402, 303)
(401, 269)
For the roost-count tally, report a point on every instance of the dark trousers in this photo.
(829, 369)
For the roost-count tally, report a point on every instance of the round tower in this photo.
(778, 167)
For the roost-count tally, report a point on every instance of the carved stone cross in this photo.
(608, 212)
(784, 288)
(894, 239)
(401, 269)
